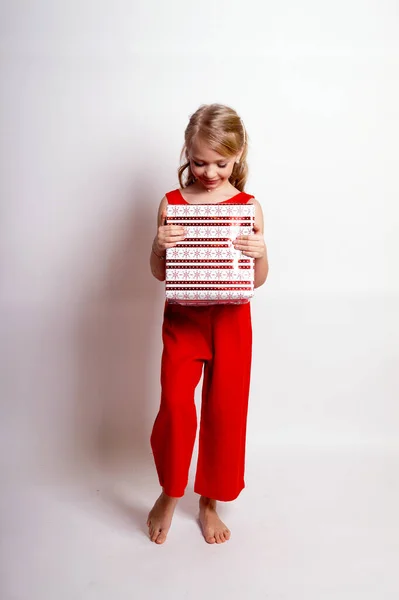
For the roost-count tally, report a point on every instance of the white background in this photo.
(94, 103)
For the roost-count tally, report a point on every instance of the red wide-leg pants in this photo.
(217, 338)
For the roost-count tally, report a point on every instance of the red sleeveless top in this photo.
(176, 197)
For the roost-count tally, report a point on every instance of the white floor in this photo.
(312, 524)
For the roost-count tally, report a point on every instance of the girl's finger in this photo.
(174, 238)
(174, 234)
(249, 237)
(169, 245)
(254, 252)
(248, 246)
(172, 228)
(251, 254)
(168, 233)
(171, 240)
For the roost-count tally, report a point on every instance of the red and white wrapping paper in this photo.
(205, 268)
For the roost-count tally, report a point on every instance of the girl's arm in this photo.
(254, 245)
(262, 263)
(157, 264)
(167, 237)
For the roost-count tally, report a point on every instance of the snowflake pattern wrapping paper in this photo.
(205, 268)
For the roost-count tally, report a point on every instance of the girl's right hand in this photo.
(169, 235)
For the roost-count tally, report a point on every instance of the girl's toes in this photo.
(210, 539)
(217, 537)
(161, 538)
(227, 534)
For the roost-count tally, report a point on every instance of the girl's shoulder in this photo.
(174, 197)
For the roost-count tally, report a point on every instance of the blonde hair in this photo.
(220, 127)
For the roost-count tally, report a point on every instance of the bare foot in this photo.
(213, 528)
(160, 518)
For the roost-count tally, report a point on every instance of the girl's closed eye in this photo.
(201, 165)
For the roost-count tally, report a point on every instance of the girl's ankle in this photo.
(207, 501)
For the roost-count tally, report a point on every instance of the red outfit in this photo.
(217, 337)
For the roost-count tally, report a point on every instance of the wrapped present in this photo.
(205, 268)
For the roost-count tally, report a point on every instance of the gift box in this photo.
(205, 268)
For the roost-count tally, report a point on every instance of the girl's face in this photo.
(210, 168)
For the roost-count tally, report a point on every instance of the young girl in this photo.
(217, 337)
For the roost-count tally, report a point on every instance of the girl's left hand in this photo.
(252, 245)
